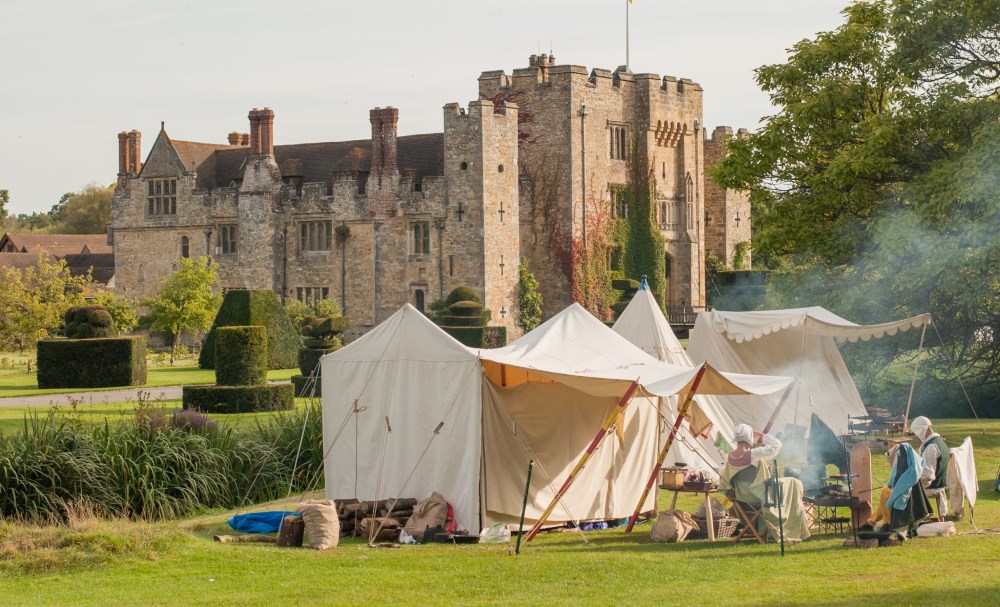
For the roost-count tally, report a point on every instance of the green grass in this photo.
(178, 564)
(20, 383)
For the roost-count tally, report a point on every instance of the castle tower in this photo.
(480, 169)
(256, 232)
(727, 212)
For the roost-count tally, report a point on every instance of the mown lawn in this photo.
(176, 563)
(18, 383)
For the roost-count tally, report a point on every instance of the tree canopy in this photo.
(874, 185)
(187, 301)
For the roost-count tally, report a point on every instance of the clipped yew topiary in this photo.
(239, 399)
(243, 307)
(466, 320)
(241, 356)
(86, 322)
(92, 363)
(320, 338)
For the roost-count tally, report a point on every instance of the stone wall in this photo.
(727, 212)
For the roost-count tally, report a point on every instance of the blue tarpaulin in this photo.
(259, 522)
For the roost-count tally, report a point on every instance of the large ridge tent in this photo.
(643, 324)
(407, 411)
(800, 342)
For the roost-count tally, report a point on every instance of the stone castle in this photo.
(377, 223)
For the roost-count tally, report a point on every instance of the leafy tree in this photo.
(874, 185)
(4, 201)
(187, 300)
(297, 310)
(121, 308)
(33, 300)
(529, 300)
(85, 212)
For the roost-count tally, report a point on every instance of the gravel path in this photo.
(91, 398)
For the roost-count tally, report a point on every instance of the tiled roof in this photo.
(103, 265)
(23, 260)
(58, 244)
(423, 153)
(194, 153)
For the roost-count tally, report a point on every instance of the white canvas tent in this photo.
(406, 411)
(800, 342)
(643, 324)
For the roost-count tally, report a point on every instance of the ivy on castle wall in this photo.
(641, 243)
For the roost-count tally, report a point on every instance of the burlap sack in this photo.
(672, 526)
(322, 526)
(432, 512)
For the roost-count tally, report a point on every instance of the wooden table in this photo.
(709, 518)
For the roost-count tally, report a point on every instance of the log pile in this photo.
(359, 518)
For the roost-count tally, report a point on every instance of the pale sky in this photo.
(75, 73)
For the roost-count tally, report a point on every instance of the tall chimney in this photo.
(266, 117)
(135, 149)
(254, 117)
(123, 155)
(234, 138)
(384, 122)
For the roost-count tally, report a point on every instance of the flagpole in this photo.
(627, 2)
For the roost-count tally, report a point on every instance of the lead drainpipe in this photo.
(583, 171)
(440, 227)
(284, 267)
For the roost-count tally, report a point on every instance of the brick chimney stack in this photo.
(384, 138)
(123, 156)
(254, 117)
(245, 139)
(235, 138)
(135, 148)
(266, 117)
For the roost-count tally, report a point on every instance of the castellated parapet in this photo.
(375, 223)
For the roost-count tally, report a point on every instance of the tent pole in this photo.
(913, 380)
(781, 403)
(681, 412)
(615, 415)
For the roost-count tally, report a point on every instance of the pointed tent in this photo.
(800, 342)
(643, 324)
(406, 412)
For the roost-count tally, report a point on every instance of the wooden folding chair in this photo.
(748, 516)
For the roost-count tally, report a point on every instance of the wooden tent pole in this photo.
(913, 380)
(681, 412)
(612, 419)
(781, 403)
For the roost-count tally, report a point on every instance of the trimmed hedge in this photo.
(241, 356)
(462, 294)
(479, 337)
(309, 358)
(86, 322)
(300, 382)
(242, 307)
(239, 399)
(92, 363)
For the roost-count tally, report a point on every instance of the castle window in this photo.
(185, 247)
(689, 199)
(619, 201)
(421, 238)
(418, 299)
(312, 295)
(161, 197)
(227, 239)
(618, 149)
(316, 236)
(664, 212)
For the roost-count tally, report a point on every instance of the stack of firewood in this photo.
(360, 518)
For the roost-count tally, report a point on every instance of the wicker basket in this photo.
(725, 526)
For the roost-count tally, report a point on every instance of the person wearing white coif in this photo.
(936, 454)
(745, 454)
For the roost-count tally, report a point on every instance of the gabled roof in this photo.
(163, 159)
(100, 265)
(314, 162)
(56, 244)
(22, 261)
(193, 154)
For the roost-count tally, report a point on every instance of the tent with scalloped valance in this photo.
(799, 342)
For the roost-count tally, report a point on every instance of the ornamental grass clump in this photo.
(145, 470)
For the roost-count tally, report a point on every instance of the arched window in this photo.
(185, 247)
(418, 299)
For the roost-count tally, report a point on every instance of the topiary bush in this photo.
(92, 363)
(239, 399)
(242, 307)
(463, 293)
(479, 337)
(86, 322)
(241, 356)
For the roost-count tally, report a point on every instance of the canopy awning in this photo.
(747, 326)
